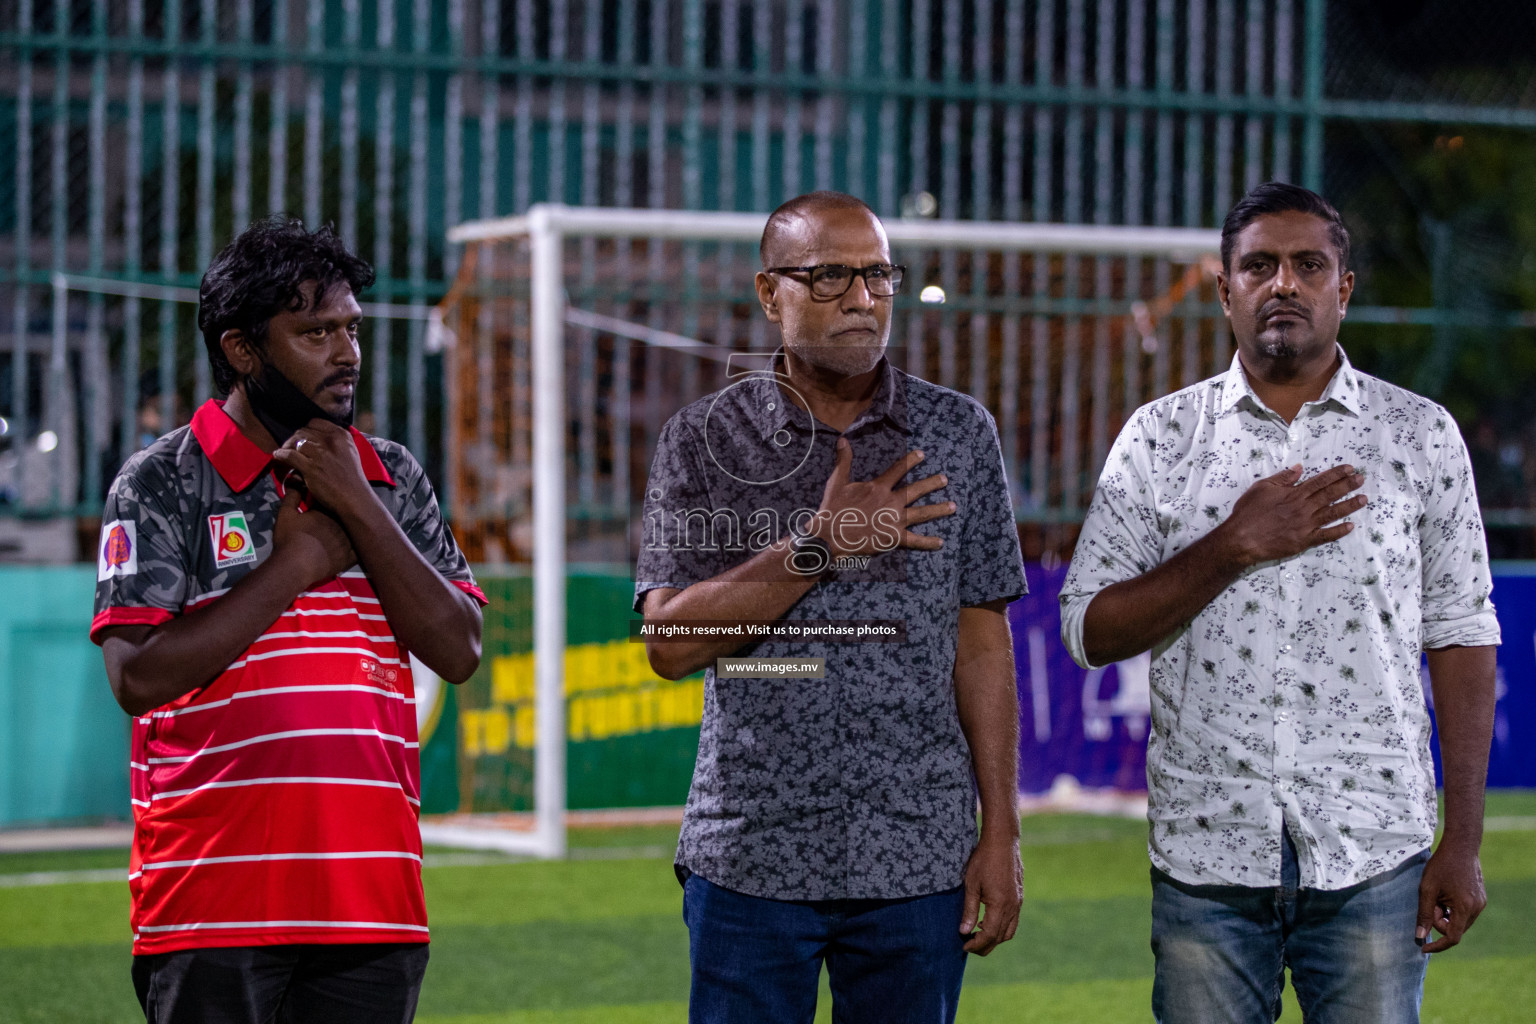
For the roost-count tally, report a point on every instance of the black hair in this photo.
(260, 273)
(780, 219)
(1280, 197)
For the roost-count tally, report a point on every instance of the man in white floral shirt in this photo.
(1286, 538)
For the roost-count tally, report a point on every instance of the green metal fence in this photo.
(141, 134)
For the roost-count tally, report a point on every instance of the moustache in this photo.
(1270, 311)
(340, 377)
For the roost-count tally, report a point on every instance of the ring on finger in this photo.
(301, 443)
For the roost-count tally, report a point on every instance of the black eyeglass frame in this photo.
(862, 272)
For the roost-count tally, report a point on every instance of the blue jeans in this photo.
(758, 961)
(1222, 950)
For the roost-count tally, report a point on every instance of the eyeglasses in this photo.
(832, 280)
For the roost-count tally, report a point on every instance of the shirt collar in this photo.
(239, 460)
(770, 416)
(1343, 387)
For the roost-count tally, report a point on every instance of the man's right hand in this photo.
(149, 667)
(312, 541)
(871, 516)
(1278, 517)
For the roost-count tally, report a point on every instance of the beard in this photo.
(1279, 348)
(282, 408)
(842, 360)
(1284, 342)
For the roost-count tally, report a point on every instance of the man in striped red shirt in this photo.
(264, 576)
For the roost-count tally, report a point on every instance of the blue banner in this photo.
(1092, 725)
(1512, 762)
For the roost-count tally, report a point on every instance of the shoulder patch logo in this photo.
(118, 554)
(232, 543)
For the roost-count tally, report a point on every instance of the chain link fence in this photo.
(142, 134)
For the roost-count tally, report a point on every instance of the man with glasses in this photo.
(832, 542)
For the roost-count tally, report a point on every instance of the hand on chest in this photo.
(1198, 492)
(932, 480)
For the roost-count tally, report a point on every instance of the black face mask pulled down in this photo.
(282, 408)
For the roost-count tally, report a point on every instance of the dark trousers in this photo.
(758, 961)
(373, 983)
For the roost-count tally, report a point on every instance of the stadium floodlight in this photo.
(564, 359)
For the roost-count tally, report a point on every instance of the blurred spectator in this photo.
(1504, 465)
(1498, 463)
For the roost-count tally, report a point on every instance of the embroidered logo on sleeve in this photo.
(231, 540)
(119, 551)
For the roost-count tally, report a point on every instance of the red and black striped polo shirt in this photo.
(279, 803)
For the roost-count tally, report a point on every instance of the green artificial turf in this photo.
(600, 938)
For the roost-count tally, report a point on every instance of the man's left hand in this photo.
(1451, 895)
(994, 878)
(324, 455)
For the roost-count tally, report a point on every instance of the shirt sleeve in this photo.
(1457, 581)
(1121, 537)
(142, 559)
(421, 519)
(677, 485)
(991, 566)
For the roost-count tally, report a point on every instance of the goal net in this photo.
(572, 334)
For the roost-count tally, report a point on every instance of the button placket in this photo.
(1283, 719)
(1285, 740)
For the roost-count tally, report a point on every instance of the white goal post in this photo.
(544, 229)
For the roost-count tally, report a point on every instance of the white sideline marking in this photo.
(431, 860)
(1503, 823)
(32, 878)
(1510, 823)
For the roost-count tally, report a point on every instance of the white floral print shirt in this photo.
(1294, 699)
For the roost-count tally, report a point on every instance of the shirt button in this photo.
(1289, 576)
(1282, 716)
(1285, 648)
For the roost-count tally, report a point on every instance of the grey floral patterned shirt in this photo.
(1294, 699)
(858, 784)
